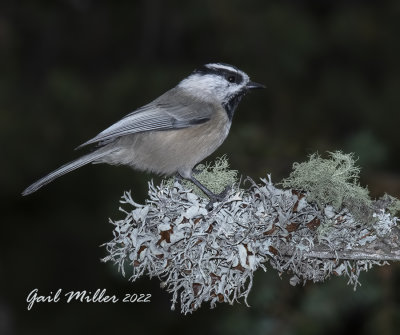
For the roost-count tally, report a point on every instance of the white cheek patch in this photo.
(205, 87)
(212, 86)
(232, 91)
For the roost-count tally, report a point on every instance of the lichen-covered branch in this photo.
(211, 256)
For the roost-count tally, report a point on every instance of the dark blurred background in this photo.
(69, 68)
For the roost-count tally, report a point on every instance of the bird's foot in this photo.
(218, 197)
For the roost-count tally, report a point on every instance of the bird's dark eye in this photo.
(231, 79)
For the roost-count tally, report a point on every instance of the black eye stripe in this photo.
(221, 72)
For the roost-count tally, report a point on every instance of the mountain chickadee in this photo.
(175, 131)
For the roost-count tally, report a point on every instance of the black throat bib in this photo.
(231, 105)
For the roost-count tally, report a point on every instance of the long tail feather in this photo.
(89, 158)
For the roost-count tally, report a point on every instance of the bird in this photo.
(174, 132)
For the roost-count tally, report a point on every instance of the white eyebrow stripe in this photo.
(217, 66)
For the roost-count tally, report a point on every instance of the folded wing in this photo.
(161, 114)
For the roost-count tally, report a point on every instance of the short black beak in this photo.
(251, 85)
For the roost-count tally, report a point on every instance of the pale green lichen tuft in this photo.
(333, 181)
(389, 203)
(216, 177)
(394, 207)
